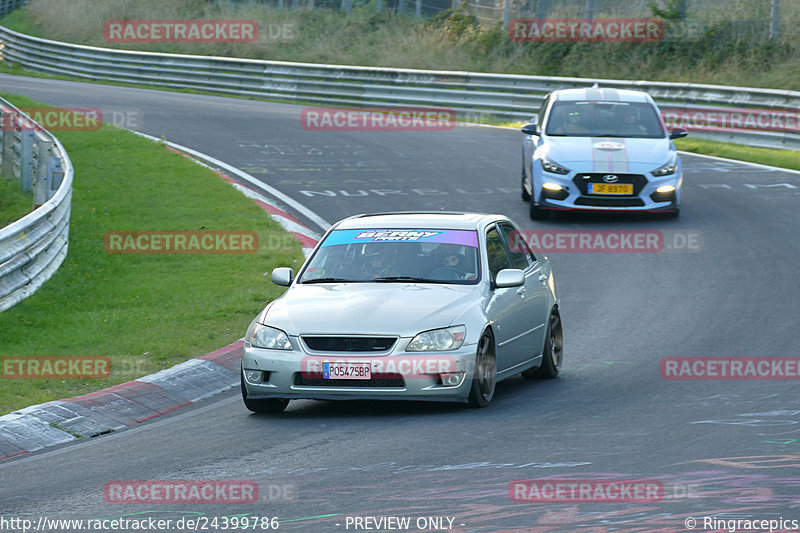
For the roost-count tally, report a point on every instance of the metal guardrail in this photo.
(33, 247)
(470, 94)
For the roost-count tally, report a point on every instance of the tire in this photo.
(537, 213)
(526, 196)
(553, 353)
(266, 405)
(484, 379)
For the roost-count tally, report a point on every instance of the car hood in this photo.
(608, 153)
(402, 309)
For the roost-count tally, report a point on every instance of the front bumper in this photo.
(401, 375)
(573, 196)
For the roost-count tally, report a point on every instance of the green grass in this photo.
(145, 311)
(14, 204)
(725, 50)
(765, 156)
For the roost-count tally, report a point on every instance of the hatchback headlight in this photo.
(669, 168)
(551, 166)
(262, 336)
(438, 340)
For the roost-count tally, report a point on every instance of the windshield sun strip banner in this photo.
(447, 236)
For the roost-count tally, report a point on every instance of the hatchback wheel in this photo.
(265, 405)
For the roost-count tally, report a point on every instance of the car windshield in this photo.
(396, 256)
(604, 119)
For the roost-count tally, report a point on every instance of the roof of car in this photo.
(601, 94)
(411, 220)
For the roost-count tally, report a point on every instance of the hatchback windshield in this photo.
(604, 119)
(396, 255)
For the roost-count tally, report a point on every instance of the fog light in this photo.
(452, 379)
(252, 376)
(666, 188)
(552, 186)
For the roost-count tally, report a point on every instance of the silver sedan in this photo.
(418, 306)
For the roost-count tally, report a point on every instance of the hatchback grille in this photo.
(582, 180)
(308, 379)
(349, 344)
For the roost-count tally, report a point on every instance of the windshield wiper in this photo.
(327, 280)
(408, 278)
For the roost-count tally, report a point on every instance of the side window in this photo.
(521, 256)
(496, 253)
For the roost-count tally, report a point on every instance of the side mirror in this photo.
(282, 276)
(530, 129)
(678, 133)
(509, 277)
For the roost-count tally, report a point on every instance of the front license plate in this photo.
(346, 371)
(611, 188)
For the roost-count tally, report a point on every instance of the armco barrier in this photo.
(33, 247)
(469, 94)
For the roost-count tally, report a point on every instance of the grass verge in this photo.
(14, 204)
(765, 156)
(145, 311)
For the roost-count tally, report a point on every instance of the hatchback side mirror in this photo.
(530, 129)
(282, 276)
(678, 133)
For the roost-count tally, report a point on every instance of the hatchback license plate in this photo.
(346, 371)
(611, 188)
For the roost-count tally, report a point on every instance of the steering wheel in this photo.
(446, 272)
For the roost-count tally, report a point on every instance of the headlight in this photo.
(552, 166)
(667, 169)
(438, 340)
(271, 338)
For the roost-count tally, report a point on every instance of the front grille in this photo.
(308, 379)
(349, 344)
(604, 201)
(582, 181)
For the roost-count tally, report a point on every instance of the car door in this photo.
(531, 320)
(505, 304)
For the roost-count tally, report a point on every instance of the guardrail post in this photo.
(7, 125)
(55, 174)
(774, 14)
(541, 9)
(26, 160)
(401, 6)
(418, 9)
(41, 180)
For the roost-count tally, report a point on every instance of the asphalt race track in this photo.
(718, 448)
